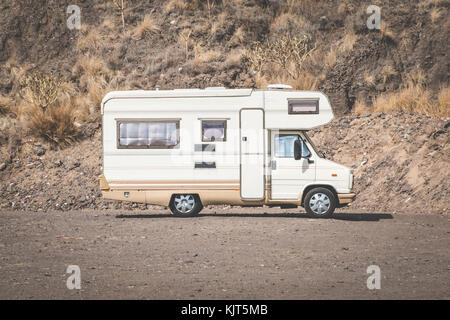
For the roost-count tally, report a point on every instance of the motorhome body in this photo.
(186, 148)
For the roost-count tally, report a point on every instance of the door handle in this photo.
(274, 165)
(244, 138)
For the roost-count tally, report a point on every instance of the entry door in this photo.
(252, 154)
(289, 176)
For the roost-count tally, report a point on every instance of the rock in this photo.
(74, 165)
(9, 187)
(89, 129)
(2, 166)
(39, 150)
(58, 163)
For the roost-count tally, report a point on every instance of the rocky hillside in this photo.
(389, 87)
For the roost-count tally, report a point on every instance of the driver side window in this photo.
(284, 145)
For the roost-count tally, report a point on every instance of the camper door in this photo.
(252, 154)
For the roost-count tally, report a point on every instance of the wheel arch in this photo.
(312, 186)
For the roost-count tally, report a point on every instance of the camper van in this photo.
(188, 148)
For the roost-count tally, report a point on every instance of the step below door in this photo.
(252, 154)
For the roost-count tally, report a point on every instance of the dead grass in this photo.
(55, 125)
(369, 80)
(175, 5)
(5, 105)
(444, 101)
(388, 72)
(306, 81)
(146, 27)
(348, 42)
(386, 33)
(330, 58)
(415, 98)
(238, 36)
(89, 39)
(234, 58)
(202, 55)
(360, 107)
(436, 14)
(288, 23)
(90, 65)
(49, 114)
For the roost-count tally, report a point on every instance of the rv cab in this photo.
(184, 149)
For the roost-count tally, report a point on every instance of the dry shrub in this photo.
(330, 59)
(146, 27)
(412, 99)
(287, 53)
(386, 33)
(48, 116)
(175, 5)
(282, 60)
(405, 40)
(287, 23)
(436, 14)
(238, 36)
(184, 38)
(55, 125)
(344, 8)
(348, 42)
(5, 105)
(89, 40)
(234, 59)
(201, 55)
(306, 81)
(416, 77)
(415, 98)
(369, 80)
(304, 7)
(91, 66)
(360, 107)
(444, 102)
(388, 72)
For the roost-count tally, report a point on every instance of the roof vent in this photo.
(278, 86)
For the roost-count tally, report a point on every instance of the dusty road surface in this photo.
(223, 254)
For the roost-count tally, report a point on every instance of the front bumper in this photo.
(345, 198)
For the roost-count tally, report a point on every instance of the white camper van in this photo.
(187, 148)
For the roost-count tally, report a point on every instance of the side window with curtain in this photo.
(284, 145)
(214, 130)
(148, 134)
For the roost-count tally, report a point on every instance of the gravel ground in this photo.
(236, 254)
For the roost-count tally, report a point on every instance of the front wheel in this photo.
(320, 203)
(185, 205)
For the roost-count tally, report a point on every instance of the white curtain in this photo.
(148, 134)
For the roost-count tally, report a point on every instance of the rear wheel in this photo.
(185, 205)
(320, 203)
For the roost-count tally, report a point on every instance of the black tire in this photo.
(320, 203)
(192, 205)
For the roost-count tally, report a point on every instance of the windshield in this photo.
(319, 153)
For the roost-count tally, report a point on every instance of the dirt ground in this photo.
(233, 253)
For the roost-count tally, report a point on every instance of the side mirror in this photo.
(298, 149)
